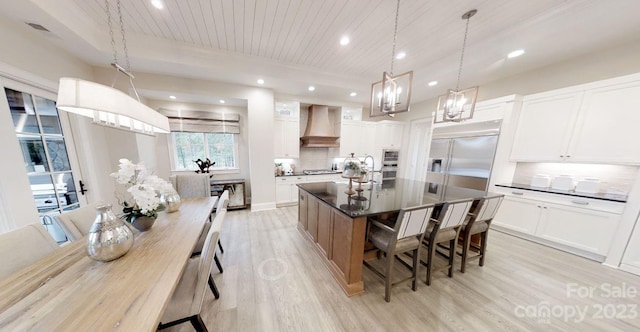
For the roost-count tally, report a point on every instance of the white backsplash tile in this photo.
(612, 177)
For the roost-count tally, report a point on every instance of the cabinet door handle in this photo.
(539, 206)
(568, 156)
(580, 202)
(561, 156)
(517, 193)
(544, 207)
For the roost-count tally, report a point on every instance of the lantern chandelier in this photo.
(458, 105)
(392, 94)
(108, 106)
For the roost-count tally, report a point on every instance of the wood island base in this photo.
(336, 238)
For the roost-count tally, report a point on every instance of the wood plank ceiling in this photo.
(299, 39)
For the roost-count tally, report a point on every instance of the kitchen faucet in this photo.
(373, 164)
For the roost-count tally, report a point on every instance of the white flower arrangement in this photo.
(145, 189)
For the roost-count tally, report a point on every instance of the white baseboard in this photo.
(630, 268)
(263, 206)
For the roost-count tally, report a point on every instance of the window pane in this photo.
(65, 188)
(22, 111)
(221, 149)
(33, 151)
(43, 193)
(58, 154)
(48, 116)
(189, 147)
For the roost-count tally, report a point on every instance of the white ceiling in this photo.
(295, 43)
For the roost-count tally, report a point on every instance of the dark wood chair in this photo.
(478, 222)
(405, 236)
(443, 229)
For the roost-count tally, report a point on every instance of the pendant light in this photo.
(458, 105)
(108, 106)
(392, 94)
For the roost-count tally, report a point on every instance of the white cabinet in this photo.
(584, 229)
(631, 258)
(607, 128)
(389, 135)
(579, 225)
(593, 124)
(286, 133)
(287, 189)
(518, 214)
(356, 137)
(544, 128)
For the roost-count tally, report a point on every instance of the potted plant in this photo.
(142, 200)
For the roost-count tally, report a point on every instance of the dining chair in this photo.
(224, 197)
(22, 247)
(76, 223)
(190, 186)
(405, 236)
(186, 301)
(223, 202)
(445, 228)
(478, 223)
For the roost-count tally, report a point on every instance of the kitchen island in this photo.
(335, 223)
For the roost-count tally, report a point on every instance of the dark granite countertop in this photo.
(302, 174)
(386, 197)
(601, 196)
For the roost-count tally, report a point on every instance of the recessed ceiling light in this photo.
(312, 88)
(260, 81)
(401, 55)
(172, 97)
(432, 83)
(158, 4)
(344, 40)
(515, 53)
(221, 101)
(353, 94)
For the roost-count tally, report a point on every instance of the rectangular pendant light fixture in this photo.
(391, 95)
(109, 107)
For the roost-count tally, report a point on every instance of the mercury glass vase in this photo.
(109, 237)
(172, 202)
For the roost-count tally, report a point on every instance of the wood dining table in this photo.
(68, 291)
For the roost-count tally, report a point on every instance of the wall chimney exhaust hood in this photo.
(319, 132)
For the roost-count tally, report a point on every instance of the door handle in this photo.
(82, 188)
(517, 193)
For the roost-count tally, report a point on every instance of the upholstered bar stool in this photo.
(22, 247)
(445, 229)
(405, 236)
(478, 223)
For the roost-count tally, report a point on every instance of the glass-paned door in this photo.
(43, 143)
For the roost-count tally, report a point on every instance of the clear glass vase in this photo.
(109, 237)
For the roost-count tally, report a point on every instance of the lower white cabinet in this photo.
(518, 214)
(579, 228)
(287, 189)
(580, 224)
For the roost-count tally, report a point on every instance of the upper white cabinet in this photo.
(545, 127)
(286, 130)
(356, 137)
(286, 137)
(389, 135)
(595, 123)
(607, 129)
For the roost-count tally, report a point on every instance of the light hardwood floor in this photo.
(273, 281)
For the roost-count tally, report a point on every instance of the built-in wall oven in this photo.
(389, 164)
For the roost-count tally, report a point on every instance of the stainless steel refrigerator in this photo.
(462, 155)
